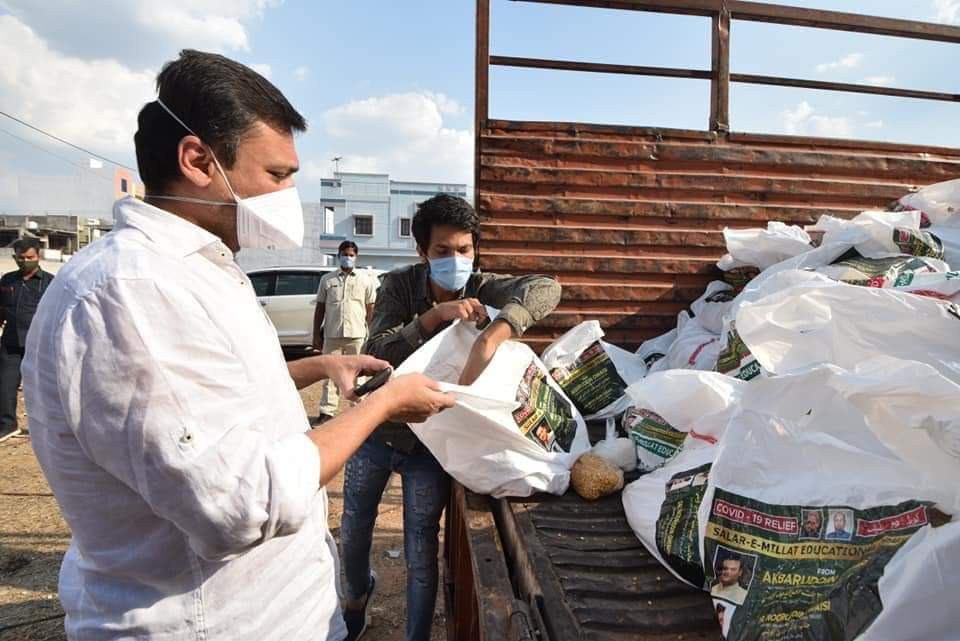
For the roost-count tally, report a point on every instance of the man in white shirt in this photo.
(728, 581)
(162, 411)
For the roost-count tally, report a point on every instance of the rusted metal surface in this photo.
(720, 71)
(479, 598)
(481, 82)
(631, 220)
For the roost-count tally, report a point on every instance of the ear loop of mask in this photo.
(215, 161)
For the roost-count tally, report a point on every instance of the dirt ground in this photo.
(33, 538)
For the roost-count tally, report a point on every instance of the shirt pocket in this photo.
(357, 293)
(8, 295)
(333, 291)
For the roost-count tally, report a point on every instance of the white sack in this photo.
(940, 205)
(654, 351)
(829, 322)
(944, 286)
(825, 485)
(661, 506)
(940, 202)
(513, 432)
(880, 234)
(594, 374)
(695, 348)
(619, 452)
(881, 272)
(763, 247)
(711, 307)
(872, 234)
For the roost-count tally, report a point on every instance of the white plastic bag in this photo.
(943, 286)
(823, 321)
(654, 351)
(881, 272)
(880, 234)
(940, 204)
(594, 374)
(821, 500)
(735, 358)
(695, 346)
(513, 432)
(692, 409)
(763, 247)
(711, 307)
(619, 452)
(872, 234)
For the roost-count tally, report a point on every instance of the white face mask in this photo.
(269, 221)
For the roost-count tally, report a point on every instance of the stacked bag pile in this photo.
(808, 478)
(797, 435)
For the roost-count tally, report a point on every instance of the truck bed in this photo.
(586, 576)
(559, 568)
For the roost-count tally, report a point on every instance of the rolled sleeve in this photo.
(294, 466)
(156, 396)
(522, 300)
(413, 333)
(518, 317)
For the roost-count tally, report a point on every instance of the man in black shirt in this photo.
(414, 304)
(20, 293)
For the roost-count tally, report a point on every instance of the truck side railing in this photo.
(721, 13)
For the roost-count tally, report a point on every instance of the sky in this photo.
(389, 85)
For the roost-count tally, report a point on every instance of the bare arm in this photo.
(343, 370)
(483, 350)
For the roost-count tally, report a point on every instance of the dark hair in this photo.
(444, 209)
(23, 244)
(347, 244)
(220, 99)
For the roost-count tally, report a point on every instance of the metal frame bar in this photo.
(721, 12)
(600, 67)
(481, 97)
(781, 14)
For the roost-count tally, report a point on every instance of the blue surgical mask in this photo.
(348, 262)
(451, 273)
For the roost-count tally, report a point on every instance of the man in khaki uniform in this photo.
(344, 307)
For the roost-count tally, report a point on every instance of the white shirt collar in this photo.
(162, 227)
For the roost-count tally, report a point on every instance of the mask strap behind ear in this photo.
(216, 162)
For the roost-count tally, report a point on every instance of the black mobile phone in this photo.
(375, 382)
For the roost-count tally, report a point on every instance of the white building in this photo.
(369, 209)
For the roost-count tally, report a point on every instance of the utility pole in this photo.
(336, 164)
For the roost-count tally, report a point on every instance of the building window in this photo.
(123, 185)
(328, 214)
(404, 228)
(363, 225)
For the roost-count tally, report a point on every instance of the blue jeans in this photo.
(426, 490)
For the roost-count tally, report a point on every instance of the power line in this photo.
(47, 151)
(66, 142)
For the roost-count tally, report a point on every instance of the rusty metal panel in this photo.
(480, 604)
(630, 219)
